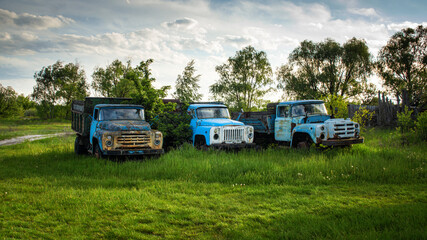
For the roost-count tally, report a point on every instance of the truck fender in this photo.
(300, 132)
(203, 131)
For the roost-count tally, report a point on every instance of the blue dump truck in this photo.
(212, 127)
(301, 124)
(106, 126)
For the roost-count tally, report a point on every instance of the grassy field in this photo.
(376, 190)
(10, 128)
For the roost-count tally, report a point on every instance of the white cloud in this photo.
(26, 20)
(367, 12)
(399, 26)
(183, 23)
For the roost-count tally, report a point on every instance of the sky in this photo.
(93, 33)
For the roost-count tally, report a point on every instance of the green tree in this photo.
(187, 85)
(8, 102)
(58, 84)
(317, 70)
(402, 64)
(244, 79)
(108, 82)
(145, 93)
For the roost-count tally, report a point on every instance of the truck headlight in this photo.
(157, 142)
(322, 128)
(109, 143)
(250, 135)
(356, 125)
(158, 135)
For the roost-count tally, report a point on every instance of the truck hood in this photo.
(314, 119)
(124, 125)
(219, 122)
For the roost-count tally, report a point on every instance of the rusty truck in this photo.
(300, 124)
(108, 126)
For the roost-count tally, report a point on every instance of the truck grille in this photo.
(344, 130)
(133, 141)
(233, 135)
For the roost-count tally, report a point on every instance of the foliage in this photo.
(187, 85)
(402, 64)
(421, 125)
(316, 70)
(118, 80)
(374, 190)
(58, 84)
(144, 93)
(8, 102)
(362, 116)
(336, 102)
(108, 82)
(405, 121)
(243, 80)
(175, 127)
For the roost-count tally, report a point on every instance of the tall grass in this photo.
(373, 190)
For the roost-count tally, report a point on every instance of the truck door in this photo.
(282, 124)
(94, 124)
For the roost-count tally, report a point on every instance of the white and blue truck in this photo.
(212, 127)
(301, 123)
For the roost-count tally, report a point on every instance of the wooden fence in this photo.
(385, 114)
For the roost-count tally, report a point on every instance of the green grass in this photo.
(372, 191)
(10, 128)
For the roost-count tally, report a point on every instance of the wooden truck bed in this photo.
(82, 110)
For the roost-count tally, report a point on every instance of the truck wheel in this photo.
(79, 149)
(97, 151)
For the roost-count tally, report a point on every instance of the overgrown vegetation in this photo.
(375, 190)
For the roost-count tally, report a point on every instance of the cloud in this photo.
(183, 23)
(367, 12)
(399, 26)
(26, 20)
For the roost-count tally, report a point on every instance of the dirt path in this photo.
(17, 140)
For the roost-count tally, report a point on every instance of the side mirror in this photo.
(241, 110)
(336, 110)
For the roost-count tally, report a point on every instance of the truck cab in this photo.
(212, 127)
(304, 122)
(113, 129)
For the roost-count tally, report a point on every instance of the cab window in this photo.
(283, 111)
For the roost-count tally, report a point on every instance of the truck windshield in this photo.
(122, 114)
(310, 109)
(212, 112)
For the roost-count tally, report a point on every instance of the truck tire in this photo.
(97, 151)
(78, 148)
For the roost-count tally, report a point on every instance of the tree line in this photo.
(325, 70)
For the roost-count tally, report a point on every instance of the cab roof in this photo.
(118, 106)
(301, 102)
(195, 106)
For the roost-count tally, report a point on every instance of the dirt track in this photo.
(17, 140)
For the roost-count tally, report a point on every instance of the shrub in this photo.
(404, 120)
(175, 127)
(32, 112)
(338, 102)
(421, 125)
(362, 116)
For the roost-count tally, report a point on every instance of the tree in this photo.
(317, 70)
(58, 84)
(402, 64)
(187, 85)
(144, 93)
(243, 79)
(8, 103)
(108, 82)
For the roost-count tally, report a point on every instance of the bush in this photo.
(421, 125)
(362, 116)
(338, 102)
(32, 112)
(175, 127)
(404, 120)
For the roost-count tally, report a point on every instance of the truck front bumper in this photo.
(134, 152)
(232, 145)
(342, 142)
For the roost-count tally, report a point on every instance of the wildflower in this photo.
(299, 174)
